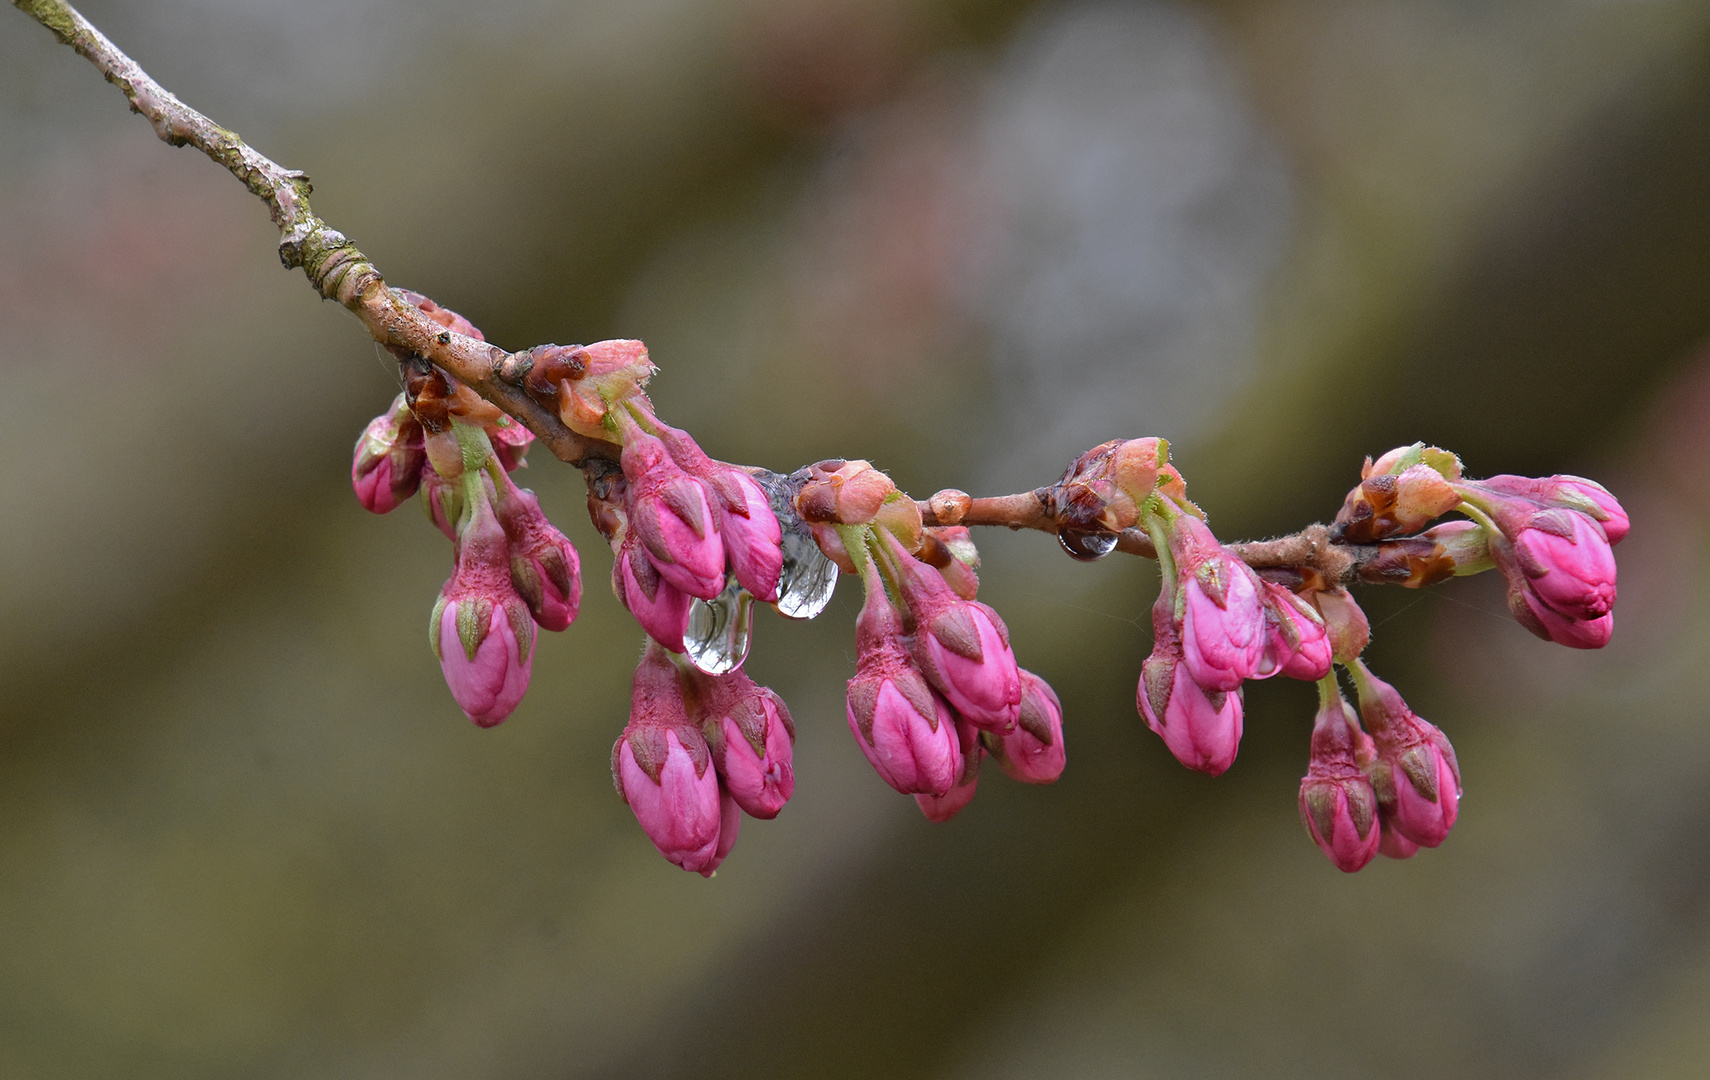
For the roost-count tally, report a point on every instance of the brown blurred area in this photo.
(244, 831)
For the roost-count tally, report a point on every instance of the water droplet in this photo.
(720, 630)
(1087, 546)
(809, 578)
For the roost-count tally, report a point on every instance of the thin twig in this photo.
(333, 264)
(339, 271)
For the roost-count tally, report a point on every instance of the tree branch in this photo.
(334, 265)
(339, 271)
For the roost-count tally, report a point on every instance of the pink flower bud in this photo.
(1216, 606)
(670, 516)
(481, 630)
(1345, 623)
(1555, 553)
(905, 730)
(1033, 752)
(962, 646)
(749, 530)
(1566, 559)
(1571, 490)
(442, 501)
(390, 454)
(545, 568)
(941, 808)
(662, 768)
(510, 442)
(1337, 803)
(753, 540)
(751, 737)
(729, 828)
(1297, 643)
(1201, 727)
(1565, 492)
(1222, 643)
(660, 607)
(1552, 625)
(1392, 845)
(1415, 775)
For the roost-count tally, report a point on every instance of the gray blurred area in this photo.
(244, 831)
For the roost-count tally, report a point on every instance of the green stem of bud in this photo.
(1156, 525)
(1362, 679)
(1329, 690)
(1475, 511)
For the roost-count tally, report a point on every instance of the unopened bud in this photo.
(962, 647)
(1214, 603)
(662, 768)
(1202, 728)
(661, 608)
(1337, 803)
(1415, 774)
(1103, 490)
(751, 738)
(1399, 493)
(1350, 631)
(1297, 642)
(545, 568)
(1452, 549)
(844, 493)
(1033, 752)
(941, 808)
(387, 466)
(1558, 560)
(671, 519)
(903, 728)
(950, 550)
(480, 630)
(949, 506)
(613, 373)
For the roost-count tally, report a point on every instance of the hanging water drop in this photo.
(809, 577)
(720, 630)
(1087, 546)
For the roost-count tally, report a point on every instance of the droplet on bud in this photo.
(719, 631)
(808, 580)
(1087, 546)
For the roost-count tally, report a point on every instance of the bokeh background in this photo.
(244, 831)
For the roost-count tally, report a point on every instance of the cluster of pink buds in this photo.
(700, 751)
(936, 690)
(1551, 538)
(1391, 787)
(686, 528)
(696, 542)
(514, 570)
(1216, 624)
(936, 686)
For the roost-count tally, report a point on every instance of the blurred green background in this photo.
(244, 831)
